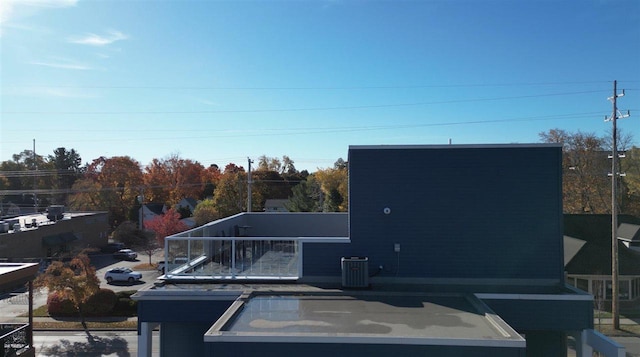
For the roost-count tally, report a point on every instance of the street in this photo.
(76, 343)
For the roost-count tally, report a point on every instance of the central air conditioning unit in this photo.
(355, 272)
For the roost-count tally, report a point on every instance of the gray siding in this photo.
(459, 212)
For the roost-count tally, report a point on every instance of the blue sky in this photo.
(220, 81)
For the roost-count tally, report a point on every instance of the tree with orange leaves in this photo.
(76, 281)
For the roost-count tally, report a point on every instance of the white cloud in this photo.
(45, 3)
(11, 9)
(63, 64)
(92, 39)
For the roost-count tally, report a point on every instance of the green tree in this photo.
(129, 234)
(305, 197)
(205, 212)
(68, 168)
(76, 281)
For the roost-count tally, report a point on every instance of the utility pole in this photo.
(35, 175)
(249, 183)
(141, 201)
(615, 289)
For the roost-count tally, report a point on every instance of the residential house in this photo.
(275, 205)
(590, 267)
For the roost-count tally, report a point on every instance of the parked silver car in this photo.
(125, 254)
(122, 274)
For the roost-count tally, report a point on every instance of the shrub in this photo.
(57, 306)
(126, 307)
(126, 294)
(100, 303)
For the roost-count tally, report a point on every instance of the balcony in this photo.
(14, 340)
(250, 246)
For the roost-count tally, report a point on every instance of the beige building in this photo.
(35, 236)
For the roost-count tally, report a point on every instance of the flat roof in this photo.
(454, 146)
(374, 317)
(14, 274)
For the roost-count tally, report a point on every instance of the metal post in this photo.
(249, 182)
(30, 328)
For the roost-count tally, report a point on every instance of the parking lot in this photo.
(104, 262)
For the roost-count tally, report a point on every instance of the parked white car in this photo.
(126, 254)
(122, 274)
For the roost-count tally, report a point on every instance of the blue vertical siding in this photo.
(491, 212)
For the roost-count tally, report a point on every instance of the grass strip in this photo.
(92, 325)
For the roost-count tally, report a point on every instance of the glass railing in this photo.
(13, 339)
(250, 258)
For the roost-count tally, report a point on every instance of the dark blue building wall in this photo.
(483, 212)
(269, 349)
(188, 311)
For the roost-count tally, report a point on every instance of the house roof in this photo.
(594, 258)
(189, 201)
(571, 247)
(629, 232)
(157, 208)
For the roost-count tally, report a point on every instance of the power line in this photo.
(330, 130)
(419, 86)
(352, 107)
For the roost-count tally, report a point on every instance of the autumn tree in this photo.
(230, 195)
(334, 183)
(286, 165)
(87, 196)
(165, 225)
(273, 179)
(172, 179)
(630, 165)
(210, 178)
(76, 281)
(586, 187)
(120, 180)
